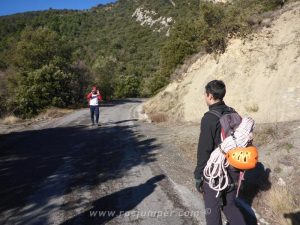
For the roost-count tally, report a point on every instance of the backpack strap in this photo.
(241, 178)
(216, 113)
(219, 115)
(232, 110)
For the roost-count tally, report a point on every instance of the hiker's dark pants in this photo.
(213, 204)
(94, 113)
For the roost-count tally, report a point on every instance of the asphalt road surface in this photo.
(67, 172)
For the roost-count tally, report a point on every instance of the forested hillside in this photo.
(128, 49)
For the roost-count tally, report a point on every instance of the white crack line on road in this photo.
(43, 207)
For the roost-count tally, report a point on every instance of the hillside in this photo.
(127, 49)
(116, 47)
(127, 35)
(261, 73)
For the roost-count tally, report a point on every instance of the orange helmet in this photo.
(243, 158)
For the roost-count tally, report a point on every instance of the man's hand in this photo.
(98, 93)
(199, 185)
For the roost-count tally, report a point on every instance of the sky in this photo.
(8, 7)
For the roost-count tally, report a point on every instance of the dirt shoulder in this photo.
(11, 123)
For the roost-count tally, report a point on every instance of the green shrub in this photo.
(128, 86)
(45, 76)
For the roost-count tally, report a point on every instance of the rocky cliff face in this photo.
(152, 19)
(261, 74)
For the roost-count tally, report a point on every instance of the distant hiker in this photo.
(210, 138)
(93, 98)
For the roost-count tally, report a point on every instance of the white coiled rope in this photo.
(215, 170)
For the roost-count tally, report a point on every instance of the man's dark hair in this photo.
(217, 88)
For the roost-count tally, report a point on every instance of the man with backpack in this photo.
(93, 98)
(210, 138)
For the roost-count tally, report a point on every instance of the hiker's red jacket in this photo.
(94, 99)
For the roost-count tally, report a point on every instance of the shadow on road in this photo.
(294, 217)
(256, 180)
(66, 158)
(116, 204)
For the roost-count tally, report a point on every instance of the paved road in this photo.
(67, 172)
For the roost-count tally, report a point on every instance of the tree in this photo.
(128, 86)
(182, 43)
(105, 76)
(45, 75)
(40, 47)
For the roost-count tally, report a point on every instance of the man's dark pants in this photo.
(94, 113)
(213, 204)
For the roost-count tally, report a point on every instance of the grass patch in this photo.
(158, 117)
(281, 203)
(265, 134)
(286, 145)
(11, 120)
(277, 169)
(252, 108)
(53, 113)
(273, 66)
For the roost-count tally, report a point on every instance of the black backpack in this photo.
(229, 121)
